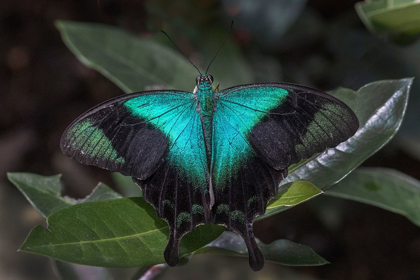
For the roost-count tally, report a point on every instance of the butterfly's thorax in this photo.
(205, 107)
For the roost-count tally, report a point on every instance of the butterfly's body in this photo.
(206, 98)
(209, 156)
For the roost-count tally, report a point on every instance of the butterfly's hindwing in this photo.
(245, 196)
(178, 202)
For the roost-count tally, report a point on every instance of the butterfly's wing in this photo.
(260, 130)
(155, 137)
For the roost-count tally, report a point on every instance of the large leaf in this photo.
(380, 108)
(264, 21)
(126, 185)
(129, 61)
(400, 18)
(280, 251)
(41, 191)
(229, 67)
(99, 193)
(385, 188)
(114, 233)
(290, 194)
(44, 192)
(153, 272)
(151, 63)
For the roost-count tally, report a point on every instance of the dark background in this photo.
(44, 87)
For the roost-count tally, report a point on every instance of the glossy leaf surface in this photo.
(129, 61)
(380, 108)
(280, 251)
(291, 194)
(126, 185)
(399, 18)
(44, 192)
(114, 233)
(134, 63)
(385, 188)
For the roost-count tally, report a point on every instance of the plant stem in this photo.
(150, 272)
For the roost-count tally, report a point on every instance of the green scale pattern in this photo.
(92, 142)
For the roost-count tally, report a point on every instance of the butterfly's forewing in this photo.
(114, 136)
(259, 130)
(156, 138)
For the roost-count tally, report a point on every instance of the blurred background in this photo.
(321, 44)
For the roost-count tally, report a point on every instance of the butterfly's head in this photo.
(204, 80)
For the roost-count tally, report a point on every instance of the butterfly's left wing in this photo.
(260, 130)
(156, 138)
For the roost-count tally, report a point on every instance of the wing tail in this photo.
(179, 202)
(243, 197)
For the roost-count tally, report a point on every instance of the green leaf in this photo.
(380, 108)
(385, 188)
(297, 192)
(99, 193)
(280, 251)
(290, 194)
(228, 60)
(43, 192)
(123, 232)
(265, 22)
(400, 18)
(152, 272)
(126, 185)
(129, 61)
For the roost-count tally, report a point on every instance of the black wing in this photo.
(155, 137)
(259, 131)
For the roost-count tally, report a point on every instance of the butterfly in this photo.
(209, 156)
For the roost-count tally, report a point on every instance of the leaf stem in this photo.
(150, 272)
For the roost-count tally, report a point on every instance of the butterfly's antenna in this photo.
(181, 51)
(230, 28)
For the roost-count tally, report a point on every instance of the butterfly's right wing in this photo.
(156, 138)
(259, 131)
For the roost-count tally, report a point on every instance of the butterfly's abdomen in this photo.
(205, 107)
